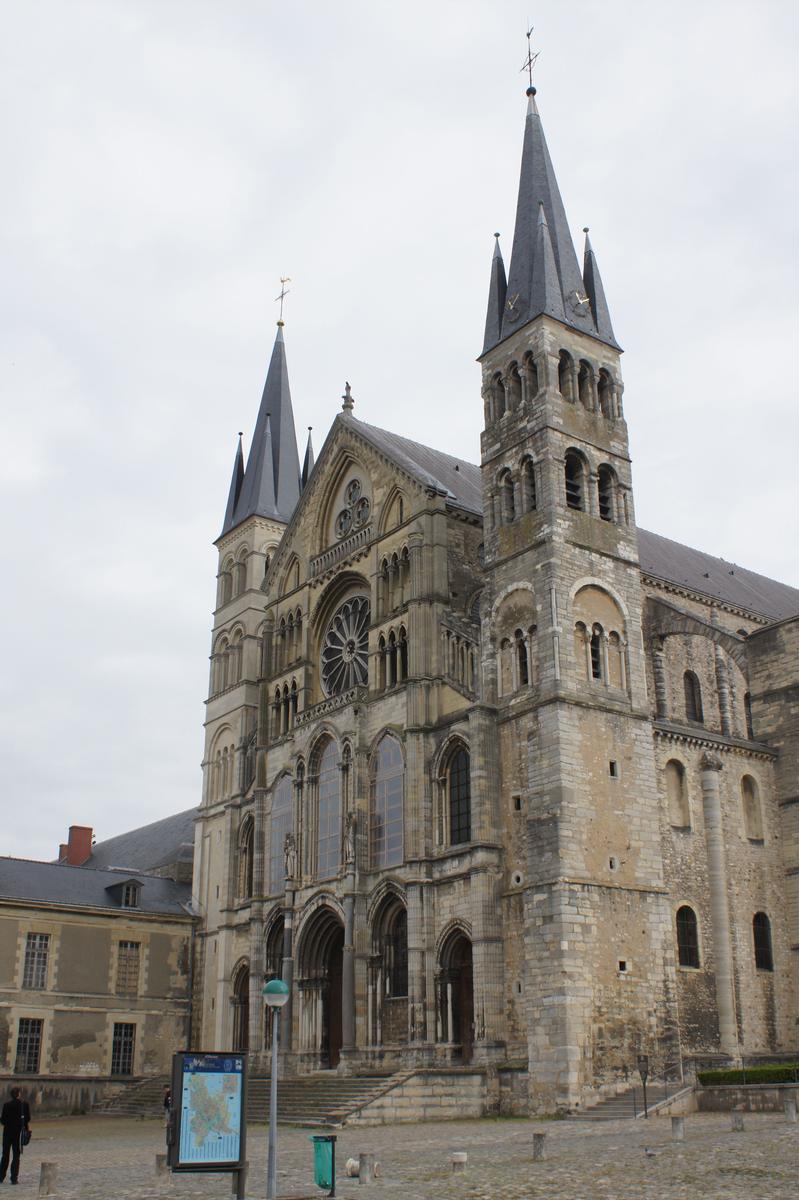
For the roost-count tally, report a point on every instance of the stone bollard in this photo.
(789, 1108)
(459, 1160)
(160, 1165)
(737, 1122)
(366, 1168)
(47, 1178)
(538, 1146)
(678, 1129)
(351, 1168)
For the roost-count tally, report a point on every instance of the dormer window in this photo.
(130, 895)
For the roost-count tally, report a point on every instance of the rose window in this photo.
(357, 510)
(345, 652)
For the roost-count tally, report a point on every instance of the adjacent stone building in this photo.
(95, 972)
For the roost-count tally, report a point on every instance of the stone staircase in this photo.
(140, 1098)
(321, 1099)
(629, 1105)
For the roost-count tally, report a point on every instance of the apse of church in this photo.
(482, 777)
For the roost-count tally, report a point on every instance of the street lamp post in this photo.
(276, 993)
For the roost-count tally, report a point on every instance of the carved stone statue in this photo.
(290, 856)
(350, 831)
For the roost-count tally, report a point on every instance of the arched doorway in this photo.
(321, 955)
(387, 994)
(273, 969)
(456, 995)
(240, 1000)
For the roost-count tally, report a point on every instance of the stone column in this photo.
(417, 1026)
(719, 905)
(348, 972)
(723, 687)
(661, 690)
(287, 1015)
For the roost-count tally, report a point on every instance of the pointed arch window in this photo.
(386, 805)
(458, 784)
(585, 385)
(279, 826)
(328, 837)
(402, 654)
(761, 932)
(596, 652)
(693, 698)
(687, 937)
(522, 663)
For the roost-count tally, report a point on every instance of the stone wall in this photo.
(428, 1096)
(752, 1098)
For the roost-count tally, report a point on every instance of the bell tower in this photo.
(563, 657)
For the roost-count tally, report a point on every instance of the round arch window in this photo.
(345, 651)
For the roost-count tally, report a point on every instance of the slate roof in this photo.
(459, 480)
(715, 577)
(84, 887)
(660, 557)
(152, 846)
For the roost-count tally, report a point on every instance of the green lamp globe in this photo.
(276, 993)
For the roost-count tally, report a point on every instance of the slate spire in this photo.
(497, 292)
(307, 465)
(596, 293)
(235, 487)
(271, 485)
(531, 285)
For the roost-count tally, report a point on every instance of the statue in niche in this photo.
(290, 856)
(350, 831)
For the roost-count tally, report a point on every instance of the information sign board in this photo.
(207, 1124)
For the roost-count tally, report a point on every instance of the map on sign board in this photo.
(211, 1101)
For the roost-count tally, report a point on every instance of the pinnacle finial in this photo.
(284, 291)
(349, 402)
(530, 62)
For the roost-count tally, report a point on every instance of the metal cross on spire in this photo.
(530, 61)
(284, 291)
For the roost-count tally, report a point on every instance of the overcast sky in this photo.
(164, 163)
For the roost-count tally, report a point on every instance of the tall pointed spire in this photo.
(236, 480)
(596, 293)
(497, 292)
(538, 188)
(271, 486)
(307, 465)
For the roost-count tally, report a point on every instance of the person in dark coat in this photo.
(15, 1116)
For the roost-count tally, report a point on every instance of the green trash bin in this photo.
(324, 1160)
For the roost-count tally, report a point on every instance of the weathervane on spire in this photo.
(530, 61)
(284, 291)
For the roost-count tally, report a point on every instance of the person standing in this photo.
(15, 1116)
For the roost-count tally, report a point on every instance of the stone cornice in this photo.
(707, 739)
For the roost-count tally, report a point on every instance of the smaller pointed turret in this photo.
(307, 465)
(236, 481)
(497, 294)
(545, 294)
(596, 293)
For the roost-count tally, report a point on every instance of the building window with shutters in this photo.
(37, 947)
(29, 1046)
(128, 955)
(122, 1048)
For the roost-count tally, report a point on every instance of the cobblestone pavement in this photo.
(104, 1158)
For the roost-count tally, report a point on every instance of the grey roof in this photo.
(56, 883)
(459, 480)
(497, 293)
(156, 845)
(660, 557)
(715, 577)
(533, 287)
(271, 484)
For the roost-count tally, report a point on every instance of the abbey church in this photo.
(492, 776)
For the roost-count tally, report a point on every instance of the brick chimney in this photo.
(78, 849)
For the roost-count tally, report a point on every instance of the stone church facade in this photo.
(491, 775)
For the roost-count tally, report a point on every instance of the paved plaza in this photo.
(114, 1159)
